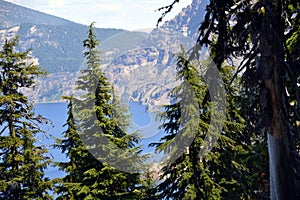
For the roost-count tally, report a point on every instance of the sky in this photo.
(125, 14)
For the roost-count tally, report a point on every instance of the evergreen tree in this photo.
(22, 162)
(264, 35)
(69, 186)
(149, 184)
(192, 176)
(120, 111)
(97, 124)
(266, 60)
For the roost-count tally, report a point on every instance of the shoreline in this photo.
(49, 102)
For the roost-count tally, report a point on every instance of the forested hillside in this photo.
(55, 43)
(53, 39)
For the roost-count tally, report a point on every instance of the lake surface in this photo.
(56, 113)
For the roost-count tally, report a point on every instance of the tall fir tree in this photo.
(264, 35)
(120, 111)
(22, 162)
(192, 175)
(71, 145)
(97, 124)
(261, 32)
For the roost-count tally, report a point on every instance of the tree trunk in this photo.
(281, 177)
(271, 71)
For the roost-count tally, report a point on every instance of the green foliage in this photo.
(263, 35)
(101, 124)
(69, 186)
(55, 40)
(192, 176)
(57, 46)
(22, 162)
(120, 111)
(148, 190)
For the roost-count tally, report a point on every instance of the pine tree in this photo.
(97, 123)
(192, 176)
(69, 186)
(264, 34)
(120, 111)
(149, 184)
(269, 69)
(22, 162)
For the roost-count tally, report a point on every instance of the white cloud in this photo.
(126, 14)
(56, 3)
(109, 7)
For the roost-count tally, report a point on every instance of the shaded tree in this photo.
(194, 175)
(264, 35)
(71, 145)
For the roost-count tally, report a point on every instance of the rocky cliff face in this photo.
(144, 75)
(140, 65)
(147, 73)
(56, 44)
(189, 19)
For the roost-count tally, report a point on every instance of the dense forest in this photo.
(232, 133)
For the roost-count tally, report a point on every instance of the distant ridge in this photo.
(56, 42)
(12, 15)
(57, 45)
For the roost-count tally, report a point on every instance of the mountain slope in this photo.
(56, 42)
(13, 15)
(139, 64)
(189, 19)
(58, 47)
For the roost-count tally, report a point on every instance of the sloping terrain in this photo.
(57, 46)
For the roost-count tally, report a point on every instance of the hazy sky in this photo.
(126, 14)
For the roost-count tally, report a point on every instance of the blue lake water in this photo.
(56, 113)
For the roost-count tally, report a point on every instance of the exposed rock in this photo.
(140, 65)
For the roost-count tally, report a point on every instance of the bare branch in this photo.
(166, 10)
